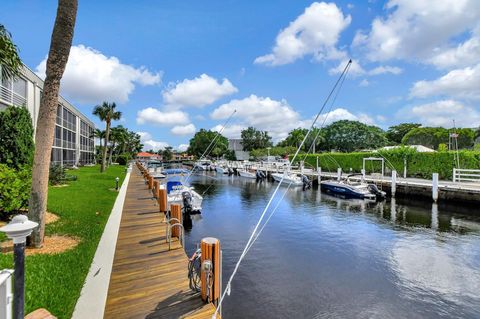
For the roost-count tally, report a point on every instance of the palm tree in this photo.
(60, 45)
(98, 133)
(117, 138)
(10, 62)
(106, 113)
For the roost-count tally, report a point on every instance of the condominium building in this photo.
(73, 143)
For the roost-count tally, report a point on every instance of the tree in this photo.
(118, 136)
(167, 153)
(433, 136)
(10, 62)
(16, 137)
(255, 139)
(202, 139)
(106, 113)
(348, 136)
(60, 45)
(396, 133)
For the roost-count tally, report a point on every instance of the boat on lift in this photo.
(204, 165)
(246, 173)
(177, 193)
(288, 178)
(352, 189)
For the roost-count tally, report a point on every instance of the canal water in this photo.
(326, 257)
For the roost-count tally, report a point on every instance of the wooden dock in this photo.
(148, 280)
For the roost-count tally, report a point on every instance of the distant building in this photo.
(236, 145)
(73, 143)
(144, 156)
(418, 148)
(182, 157)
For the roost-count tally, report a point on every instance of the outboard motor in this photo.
(374, 190)
(230, 171)
(307, 184)
(259, 175)
(187, 202)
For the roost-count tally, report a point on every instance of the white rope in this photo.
(252, 236)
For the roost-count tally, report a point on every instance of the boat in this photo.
(288, 178)
(202, 165)
(247, 174)
(352, 189)
(178, 193)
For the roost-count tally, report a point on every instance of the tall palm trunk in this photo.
(112, 147)
(61, 42)
(104, 156)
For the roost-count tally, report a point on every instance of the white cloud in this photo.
(182, 147)
(92, 77)
(150, 144)
(350, 6)
(442, 113)
(263, 113)
(385, 69)
(276, 117)
(154, 116)
(183, 130)
(315, 32)
(460, 83)
(465, 54)
(364, 83)
(357, 70)
(418, 29)
(343, 114)
(154, 145)
(197, 92)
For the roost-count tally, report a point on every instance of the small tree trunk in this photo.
(104, 156)
(61, 42)
(111, 153)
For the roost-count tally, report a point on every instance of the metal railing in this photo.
(169, 232)
(6, 295)
(466, 175)
(11, 97)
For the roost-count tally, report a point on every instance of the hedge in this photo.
(420, 165)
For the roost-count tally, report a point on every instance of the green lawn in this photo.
(54, 281)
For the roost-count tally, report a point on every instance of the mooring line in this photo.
(245, 250)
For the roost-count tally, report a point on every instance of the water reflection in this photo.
(328, 257)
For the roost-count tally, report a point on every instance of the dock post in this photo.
(435, 187)
(162, 200)
(405, 167)
(394, 182)
(454, 175)
(319, 172)
(175, 212)
(317, 163)
(211, 270)
(156, 188)
(150, 182)
(363, 174)
(339, 173)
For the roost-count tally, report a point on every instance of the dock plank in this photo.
(147, 279)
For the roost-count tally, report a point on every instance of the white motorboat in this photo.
(288, 178)
(247, 174)
(202, 165)
(177, 193)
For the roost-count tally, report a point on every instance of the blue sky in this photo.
(174, 67)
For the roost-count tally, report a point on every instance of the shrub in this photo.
(16, 137)
(14, 189)
(123, 159)
(421, 165)
(58, 175)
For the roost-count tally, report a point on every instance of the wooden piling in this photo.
(394, 183)
(162, 200)
(156, 188)
(211, 251)
(176, 212)
(150, 182)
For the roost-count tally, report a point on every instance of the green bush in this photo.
(421, 165)
(58, 175)
(16, 137)
(123, 159)
(274, 151)
(14, 189)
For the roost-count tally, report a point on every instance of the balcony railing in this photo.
(10, 97)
